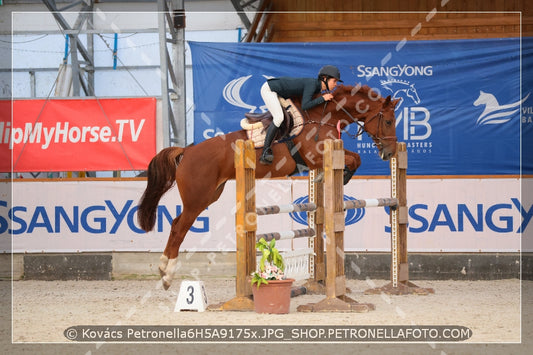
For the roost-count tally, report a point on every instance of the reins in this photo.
(362, 127)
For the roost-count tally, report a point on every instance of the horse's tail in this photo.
(161, 175)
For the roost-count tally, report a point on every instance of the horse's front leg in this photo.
(352, 161)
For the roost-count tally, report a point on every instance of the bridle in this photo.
(376, 138)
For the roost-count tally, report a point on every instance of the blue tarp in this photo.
(460, 99)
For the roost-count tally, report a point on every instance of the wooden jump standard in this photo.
(400, 284)
(334, 206)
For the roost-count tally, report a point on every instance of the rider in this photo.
(287, 87)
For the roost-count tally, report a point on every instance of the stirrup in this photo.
(266, 157)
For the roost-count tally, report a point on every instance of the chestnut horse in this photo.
(202, 170)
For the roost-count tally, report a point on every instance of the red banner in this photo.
(78, 134)
(5, 119)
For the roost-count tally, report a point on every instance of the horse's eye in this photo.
(388, 122)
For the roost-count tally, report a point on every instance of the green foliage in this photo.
(269, 256)
(257, 279)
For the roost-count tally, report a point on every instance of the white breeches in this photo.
(272, 103)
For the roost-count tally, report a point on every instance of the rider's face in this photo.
(332, 82)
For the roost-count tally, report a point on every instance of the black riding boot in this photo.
(267, 157)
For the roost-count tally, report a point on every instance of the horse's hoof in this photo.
(166, 283)
(319, 178)
(347, 175)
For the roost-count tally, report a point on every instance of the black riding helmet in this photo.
(330, 71)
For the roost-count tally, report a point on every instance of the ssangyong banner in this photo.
(453, 215)
(78, 134)
(463, 103)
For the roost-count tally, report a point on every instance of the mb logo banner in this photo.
(458, 98)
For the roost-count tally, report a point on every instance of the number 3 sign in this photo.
(192, 297)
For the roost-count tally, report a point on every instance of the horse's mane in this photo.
(351, 90)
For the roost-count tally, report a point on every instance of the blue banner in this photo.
(462, 107)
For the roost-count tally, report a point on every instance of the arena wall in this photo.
(362, 20)
(124, 253)
(201, 265)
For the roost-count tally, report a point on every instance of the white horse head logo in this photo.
(494, 113)
(402, 90)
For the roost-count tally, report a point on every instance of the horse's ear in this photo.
(395, 102)
(390, 101)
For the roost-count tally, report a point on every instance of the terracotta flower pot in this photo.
(275, 297)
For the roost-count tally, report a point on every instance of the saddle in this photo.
(256, 124)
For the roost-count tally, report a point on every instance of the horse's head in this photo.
(413, 94)
(362, 104)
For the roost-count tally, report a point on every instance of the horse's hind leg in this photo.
(163, 260)
(177, 234)
(169, 260)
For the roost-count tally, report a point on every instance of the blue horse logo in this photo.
(352, 216)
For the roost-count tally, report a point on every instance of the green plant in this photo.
(271, 265)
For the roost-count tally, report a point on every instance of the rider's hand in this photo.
(327, 97)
